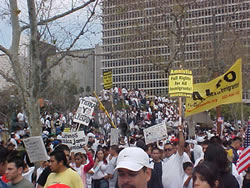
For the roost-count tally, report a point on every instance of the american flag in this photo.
(244, 158)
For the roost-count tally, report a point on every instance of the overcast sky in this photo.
(70, 24)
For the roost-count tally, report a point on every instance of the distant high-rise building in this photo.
(143, 39)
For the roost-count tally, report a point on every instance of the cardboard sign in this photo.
(114, 140)
(36, 149)
(75, 140)
(107, 79)
(224, 89)
(84, 112)
(66, 130)
(180, 83)
(155, 133)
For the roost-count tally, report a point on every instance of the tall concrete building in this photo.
(82, 67)
(144, 39)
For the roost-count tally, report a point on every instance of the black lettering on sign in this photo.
(197, 96)
(83, 118)
(230, 76)
(84, 110)
(218, 84)
(90, 104)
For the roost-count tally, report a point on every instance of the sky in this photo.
(62, 30)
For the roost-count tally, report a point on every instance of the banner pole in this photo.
(104, 109)
(180, 111)
(242, 115)
(112, 103)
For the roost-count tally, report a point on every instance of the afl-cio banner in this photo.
(180, 83)
(224, 89)
(107, 79)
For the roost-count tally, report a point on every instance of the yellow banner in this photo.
(224, 89)
(107, 80)
(180, 83)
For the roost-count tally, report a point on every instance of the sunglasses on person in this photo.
(168, 149)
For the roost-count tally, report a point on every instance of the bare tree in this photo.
(38, 25)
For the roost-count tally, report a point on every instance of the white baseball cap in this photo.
(90, 135)
(133, 158)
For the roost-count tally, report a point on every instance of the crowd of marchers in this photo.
(206, 160)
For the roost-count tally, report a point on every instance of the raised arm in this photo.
(88, 166)
(181, 140)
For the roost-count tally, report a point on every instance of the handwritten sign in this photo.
(74, 140)
(35, 149)
(114, 140)
(84, 112)
(155, 133)
(180, 83)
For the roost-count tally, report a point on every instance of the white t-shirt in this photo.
(28, 175)
(190, 185)
(186, 158)
(99, 171)
(172, 172)
(13, 141)
(197, 151)
(20, 116)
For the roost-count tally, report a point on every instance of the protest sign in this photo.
(155, 133)
(107, 79)
(224, 89)
(35, 148)
(84, 112)
(114, 137)
(180, 83)
(74, 140)
(66, 130)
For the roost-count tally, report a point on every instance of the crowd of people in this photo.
(207, 160)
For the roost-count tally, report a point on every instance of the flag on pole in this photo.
(244, 158)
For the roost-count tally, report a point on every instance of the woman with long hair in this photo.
(99, 169)
(217, 155)
(205, 175)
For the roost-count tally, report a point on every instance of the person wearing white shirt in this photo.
(187, 181)
(172, 169)
(98, 171)
(197, 150)
(13, 140)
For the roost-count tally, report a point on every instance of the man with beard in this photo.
(134, 170)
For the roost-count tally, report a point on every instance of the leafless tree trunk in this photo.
(29, 84)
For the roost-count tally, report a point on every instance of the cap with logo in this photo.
(133, 158)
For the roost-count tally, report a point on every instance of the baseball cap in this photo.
(90, 135)
(133, 158)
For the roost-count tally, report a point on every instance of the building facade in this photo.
(82, 67)
(144, 39)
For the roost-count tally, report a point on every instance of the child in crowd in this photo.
(79, 164)
(188, 169)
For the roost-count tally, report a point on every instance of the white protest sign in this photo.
(114, 139)
(75, 140)
(84, 112)
(35, 149)
(155, 133)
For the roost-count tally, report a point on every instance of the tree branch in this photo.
(5, 50)
(9, 78)
(73, 43)
(43, 22)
